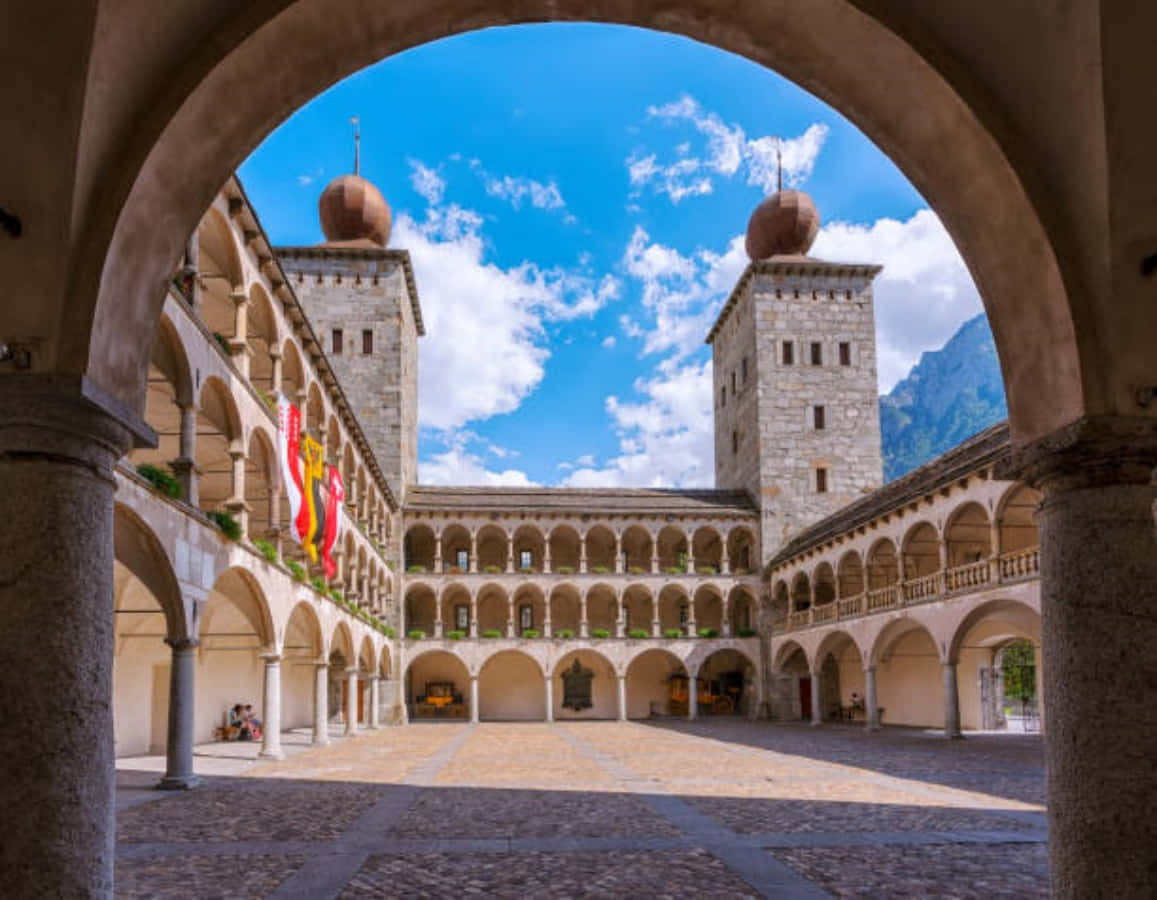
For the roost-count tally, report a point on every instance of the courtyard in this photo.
(716, 808)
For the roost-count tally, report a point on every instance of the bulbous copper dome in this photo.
(352, 209)
(785, 224)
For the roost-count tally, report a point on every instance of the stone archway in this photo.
(511, 688)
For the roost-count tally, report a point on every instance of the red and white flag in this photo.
(333, 512)
(289, 457)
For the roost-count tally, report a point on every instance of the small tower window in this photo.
(336, 341)
(819, 418)
(462, 559)
(367, 341)
(743, 370)
(788, 353)
(821, 480)
(525, 559)
(845, 353)
(817, 353)
(733, 383)
(734, 443)
(723, 396)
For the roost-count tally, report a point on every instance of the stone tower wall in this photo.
(369, 291)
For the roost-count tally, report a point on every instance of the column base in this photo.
(271, 754)
(871, 729)
(953, 736)
(324, 742)
(178, 783)
(815, 724)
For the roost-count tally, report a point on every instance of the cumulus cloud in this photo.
(516, 190)
(609, 342)
(458, 465)
(924, 293)
(727, 152)
(426, 182)
(665, 439)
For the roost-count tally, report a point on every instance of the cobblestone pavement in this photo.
(722, 808)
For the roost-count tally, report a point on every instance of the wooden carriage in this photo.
(711, 697)
(441, 701)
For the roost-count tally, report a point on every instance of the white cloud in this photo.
(609, 342)
(728, 151)
(427, 182)
(666, 440)
(307, 178)
(457, 467)
(924, 293)
(515, 190)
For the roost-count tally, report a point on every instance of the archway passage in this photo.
(996, 649)
(511, 688)
(649, 687)
(437, 686)
(726, 684)
(795, 681)
(843, 686)
(594, 692)
(909, 680)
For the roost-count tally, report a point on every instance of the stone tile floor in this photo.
(717, 808)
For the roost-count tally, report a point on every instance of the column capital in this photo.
(351, 672)
(321, 663)
(271, 657)
(868, 669)
(1093, 451)
(183, 643)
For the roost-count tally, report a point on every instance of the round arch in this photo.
(140, 551)
(921, 550)
(648, 675)
(604, 689)
(968, 535)
(511, 687)
(437, 685)
(728, 675)
(883, 565)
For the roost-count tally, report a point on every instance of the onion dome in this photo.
(352, 209)
(785, 224)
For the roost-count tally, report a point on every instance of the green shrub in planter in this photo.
(455, 635)
(296, 570)
(530, 633)
(527, 570)
(708, 633)
(675, 570)
(416, 634)
(452, 570)
(600, 633)
(229, 526)
(267, 550)
(492, 570)
(705, 570)
(564, 633)
(389, 632)
(746, 632)
(600, 570)
(492, 633)
(672, 633)
(222, 342)
(162, 479)
(416, 569)
(337, 595)
(564, 570)
(319, 584)
(637, 634)
(636, 570)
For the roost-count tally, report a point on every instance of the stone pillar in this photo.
(185, 465)
(275, 377)
(303, 408)
(351, 703)
(474, 553)
(692, 698)
(1098, 562)
(691, 628)
(320, 704)
(690, 562)
(190, 271)
(473, 614)
(179, 744)
(622, 679)
(509, 556)
(547, 630)
(271, 711)
(724, 562)
(474, 698)
(236, 503)
(239, 345)
(871, 700)
(59, 442)
(951, 702)
(817, 698)
(584, 626)
(655, 559)
(619, 567)
(438, 624)
(549, 682)
(582, 554)
(656, 625)
(510, 616)
(546, 558)
(725, 622)
(375, 699)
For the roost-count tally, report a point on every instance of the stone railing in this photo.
(975, 576)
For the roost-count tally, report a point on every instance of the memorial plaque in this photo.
(576, 687)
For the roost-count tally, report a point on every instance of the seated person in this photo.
(252, 722)
(235, 722)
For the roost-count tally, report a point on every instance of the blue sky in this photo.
(574, 197)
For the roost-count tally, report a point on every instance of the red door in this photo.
(805, 698)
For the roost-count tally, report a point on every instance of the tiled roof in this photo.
(595, 501)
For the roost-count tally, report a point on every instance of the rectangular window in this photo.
(817, 353)
(525, 559)
(743, 370)
(819, 418)
(788, 353)
(734, 442)
(732, 384)
(845, 353)
(367, 341)
(336, 342)
(821, 481)
(463, 560)
(525, 617)
(723, 396)
(462, 617)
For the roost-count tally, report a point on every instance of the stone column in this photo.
(438, 624)
(619, 567)
(547, 630)
(622, 679)
(692, 698)
(190, 271)
(691, 628)
(871, 701)
(655, 559)
(817, 698)
(474, 553)
(303, 408)
(60, 439)
(474, 698)
(351, 702)
(549, 682)
(271, 712)
(690, 562)
(179, 745)
(546, 558)
(275, 377)
(185, 465)
(473, 615)
(510, 616)
(509, 556)
(725, 622)
(236, 503)
(724, 562)
(375, 699)
(239, 344)
(583, 554)
(951, 702)
(320, 704)
(584, 626)
(1098, 562)
(656, 625)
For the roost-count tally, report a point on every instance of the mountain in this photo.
(950, 394)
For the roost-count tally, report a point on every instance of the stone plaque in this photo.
(576, 687)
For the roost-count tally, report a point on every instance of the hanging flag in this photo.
(333, 522)
(289, 457)
(311, 521)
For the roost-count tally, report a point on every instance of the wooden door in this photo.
(362, 687)
(805, 698)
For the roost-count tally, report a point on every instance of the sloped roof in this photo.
(595, 501)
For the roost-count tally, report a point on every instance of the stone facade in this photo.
(796, 410)
(362, 289)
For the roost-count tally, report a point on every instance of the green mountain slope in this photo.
(951, 394)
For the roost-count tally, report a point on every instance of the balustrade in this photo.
(970, 575)
(852, 606)
(923, 589)
(883, 598)
(825, 613)
(1020, 564)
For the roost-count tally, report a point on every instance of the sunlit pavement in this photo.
(714, 808)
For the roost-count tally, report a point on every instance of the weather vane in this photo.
(355, 122)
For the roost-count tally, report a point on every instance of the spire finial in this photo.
(357, 145)
(778, 164)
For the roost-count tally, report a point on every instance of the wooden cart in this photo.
(708, 694)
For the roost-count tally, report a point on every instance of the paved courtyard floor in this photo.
(720, 808)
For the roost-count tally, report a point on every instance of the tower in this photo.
(362, 302)
(797, 421)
